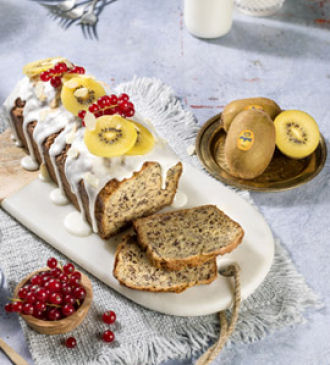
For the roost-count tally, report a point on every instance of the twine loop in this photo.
(226, 330)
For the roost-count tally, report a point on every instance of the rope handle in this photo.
(226, 331)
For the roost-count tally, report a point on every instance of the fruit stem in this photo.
(15, 299)
(54, 305)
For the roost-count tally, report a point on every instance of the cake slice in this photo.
(134, 270)
(187, 237)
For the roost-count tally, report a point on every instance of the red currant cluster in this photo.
(110, 105)
(50, 295)
(55, 294)
(55, 74)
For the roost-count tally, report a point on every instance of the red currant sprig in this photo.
(55, 74)
(110, 105)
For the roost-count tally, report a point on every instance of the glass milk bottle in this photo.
(208, 18)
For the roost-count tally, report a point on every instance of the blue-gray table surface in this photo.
(284, 57)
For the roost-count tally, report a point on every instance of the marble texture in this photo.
(285, 57)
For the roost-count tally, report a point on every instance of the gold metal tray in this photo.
(282, 173)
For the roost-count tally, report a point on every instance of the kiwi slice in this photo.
(145, 140)
(79, 92)
(297, 133)
(36, 67)
(112, 136)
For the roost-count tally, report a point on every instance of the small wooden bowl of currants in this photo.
(54, 299)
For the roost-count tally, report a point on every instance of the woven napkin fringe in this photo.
(275, 305)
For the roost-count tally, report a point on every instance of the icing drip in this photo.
(58, 198)
(180, 199)
(28, 163)
(74, 224)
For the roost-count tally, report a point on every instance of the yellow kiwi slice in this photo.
(145, 140)
(297, 134)
(36, 67)
(112, 136)
(79, 92)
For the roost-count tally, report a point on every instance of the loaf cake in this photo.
(111, 191)
(133, 269)
(187, 237)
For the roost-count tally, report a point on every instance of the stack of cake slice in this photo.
(174, 251)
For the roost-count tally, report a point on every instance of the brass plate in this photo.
(282, 173)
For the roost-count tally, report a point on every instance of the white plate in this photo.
(33, 208)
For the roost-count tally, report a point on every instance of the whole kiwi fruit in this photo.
(235, 107)
(250, 144)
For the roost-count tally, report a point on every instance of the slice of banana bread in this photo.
(187, 237)
(133, 269)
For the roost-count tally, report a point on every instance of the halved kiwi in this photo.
(79, 92)
(297, 133)
(145, 140)
(112, 136)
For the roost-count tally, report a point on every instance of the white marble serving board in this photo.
(34, 209)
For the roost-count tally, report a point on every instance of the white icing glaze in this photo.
(180, 199)
(75, 224)
(81, 163)
(58, 198)
(28, 163)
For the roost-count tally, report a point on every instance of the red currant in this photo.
(83, 123)
(17, 307)
(45, 278)
(79, 293)
(30, 297)
(113, 99)
(75, 280)
(45, 76)
(52, 72)
(98, 114)
(41, 295)
(36, 280)
(76, 274)
(52, 263)
(63, 278)
(130, 113)
(34, 288)
(28, 309)
(94, 108)
(123, 105)
(54, 314)
(109, 112)
(122, 113)
(108, 336)
(69, 299)
(66, 288)
(56, 298)
(8, 307)
(56, 82)
(53, 285)
(28, 287)
(80, 70)
(39, 305)
(102, 101)
(70, 342)
(61, 67)
(124, 97)
(68, 310)
(55, 272)
(82, 114)
(116, 110)
(68, 268)
(22, 293)
(38, 313)
(109, 317)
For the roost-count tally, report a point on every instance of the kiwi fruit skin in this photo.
(235, 107)
(308, 134)
(248, 164)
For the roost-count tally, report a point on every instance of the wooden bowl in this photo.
(65, 324)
